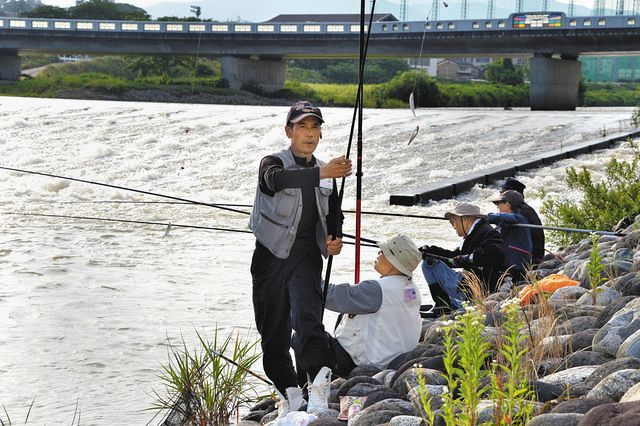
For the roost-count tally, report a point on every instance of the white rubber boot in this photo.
(292, 402)
(319, 391)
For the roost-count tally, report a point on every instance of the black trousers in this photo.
(342, 363)
(287, 295)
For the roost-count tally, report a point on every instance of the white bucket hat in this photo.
(464, 209)
(402, 253)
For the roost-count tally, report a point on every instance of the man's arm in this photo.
(504, 218)
(274, 178)
(363, 298)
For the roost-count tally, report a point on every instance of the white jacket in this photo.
(387, 319)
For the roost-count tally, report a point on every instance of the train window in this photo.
(501, 24)
(356, 28)
(197, 28)
(439, 26)
(395, 27)
(384, 28)
(573, 23)
(62, 25)
(219, 28)
(129, 27)
(586, 23)
(427, 26)
(475, 25)
(288, 28)
(17, 24)
(602, 22)
(242, 28)
(175, 27)
(335, 28)
(405, 27)
(1, 23)
(151, 27)
(266, 28)
(311, 28)
(107, 26)
(84, 25)
(39, 24)
(488, 24)
(631, 21)
(451, 26)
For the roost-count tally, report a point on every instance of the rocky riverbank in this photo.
(587, 368)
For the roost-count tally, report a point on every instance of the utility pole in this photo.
(545, 5)
(435, 10)
(598, 7)
(570, 11)
(620, 7)
(464, 9)
(491, 8)
(403, 11)
(519, 5)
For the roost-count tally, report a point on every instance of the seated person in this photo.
(517, 240)
(382, 318)
(537, 234)
(481, 252)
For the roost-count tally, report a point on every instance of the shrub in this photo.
(603, 203)
(426, 90)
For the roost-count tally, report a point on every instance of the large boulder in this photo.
(604, 296)
(555, 419)
(627, 284)
(576, 324)
(610, 310)
(623, 324)
(344, 388)
(406, 421)
(546, 391)
(380, 395)
(611, 367)
(633, 394)
(615, 414)
(615, 385)
(409, 380)
(578, 405)
(630, 347)
(570, 377)
(365, 370)
(566, 295)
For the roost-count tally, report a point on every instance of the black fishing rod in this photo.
(168, 225)
(363, 52)
(124, 188)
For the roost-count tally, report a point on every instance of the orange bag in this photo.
(546, 285)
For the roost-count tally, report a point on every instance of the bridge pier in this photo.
(268, 74)
(554, 83)
(9, 65)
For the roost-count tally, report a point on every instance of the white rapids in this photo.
(87, 308)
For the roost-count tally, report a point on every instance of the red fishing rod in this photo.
(359, 145)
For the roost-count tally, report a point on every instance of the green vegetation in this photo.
(90, 9)
(502, 71)
(602, 204)
(595, 268)
(201, 387)
(611, 94)
(343, 71)
(35, 60)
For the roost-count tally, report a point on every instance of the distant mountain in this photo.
(257, 11)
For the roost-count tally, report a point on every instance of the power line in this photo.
(490, 9)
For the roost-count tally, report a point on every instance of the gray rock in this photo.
(633, 394)
(604, 296)
(555, 419)
(365, 370)
(623, 324)
(406, 421)
(552, 263)
(374, 418)
(494, 319)
(628, 284)
(576, 324)
(397, 405)
(630, 347)
(254, 416)
(570, 377)
(327, 421)
(580, 358)
(344, 388)
(575, 392)
(550, 365)
(380, 395)
(617, 268)
(269, 418)
(615, 385)
(498, 296)
(546, 391)
(610, 311)
(623, 254)
(573, 311)
(384, 376)
(409, 379)
(627, 414)
(611, 367)
(581, 340)
(364, 389)
(578, 405)
(565, 295)
(485, 411)
(630, 241)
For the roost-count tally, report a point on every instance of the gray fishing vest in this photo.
(274, 220)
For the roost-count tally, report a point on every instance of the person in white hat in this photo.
(481, 252)
(382, 316)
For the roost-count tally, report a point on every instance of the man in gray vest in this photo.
(296, 220)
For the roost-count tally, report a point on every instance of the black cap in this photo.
(512, 184)
(301, 110)
(512, 197)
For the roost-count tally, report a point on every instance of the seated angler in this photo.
(382, 316)
(481, 252)
(517, 240)
(537, 234)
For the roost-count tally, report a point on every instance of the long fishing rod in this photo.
(168, 225)
(353, 121)
(124, 188)
(575, 230)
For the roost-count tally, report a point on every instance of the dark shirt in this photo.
(274, 178)
(537, 235)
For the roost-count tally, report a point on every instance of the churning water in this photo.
(87, 308)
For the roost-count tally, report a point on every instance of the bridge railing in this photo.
(516, 22)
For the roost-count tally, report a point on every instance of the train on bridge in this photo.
(530, 21)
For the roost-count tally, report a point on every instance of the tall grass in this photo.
(200, 387)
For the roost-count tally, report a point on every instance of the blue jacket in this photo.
(517, 240)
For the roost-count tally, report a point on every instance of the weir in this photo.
(9, 65)
(455, 186)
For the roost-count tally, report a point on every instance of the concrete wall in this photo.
(554, 83)
(9, 66)
(266, 73)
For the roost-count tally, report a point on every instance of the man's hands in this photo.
(461, 261)
(336, 168)
(425, 250)
(334, 246)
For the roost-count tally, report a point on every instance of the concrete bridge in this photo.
(255, 52)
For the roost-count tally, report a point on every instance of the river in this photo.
(87, 308)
